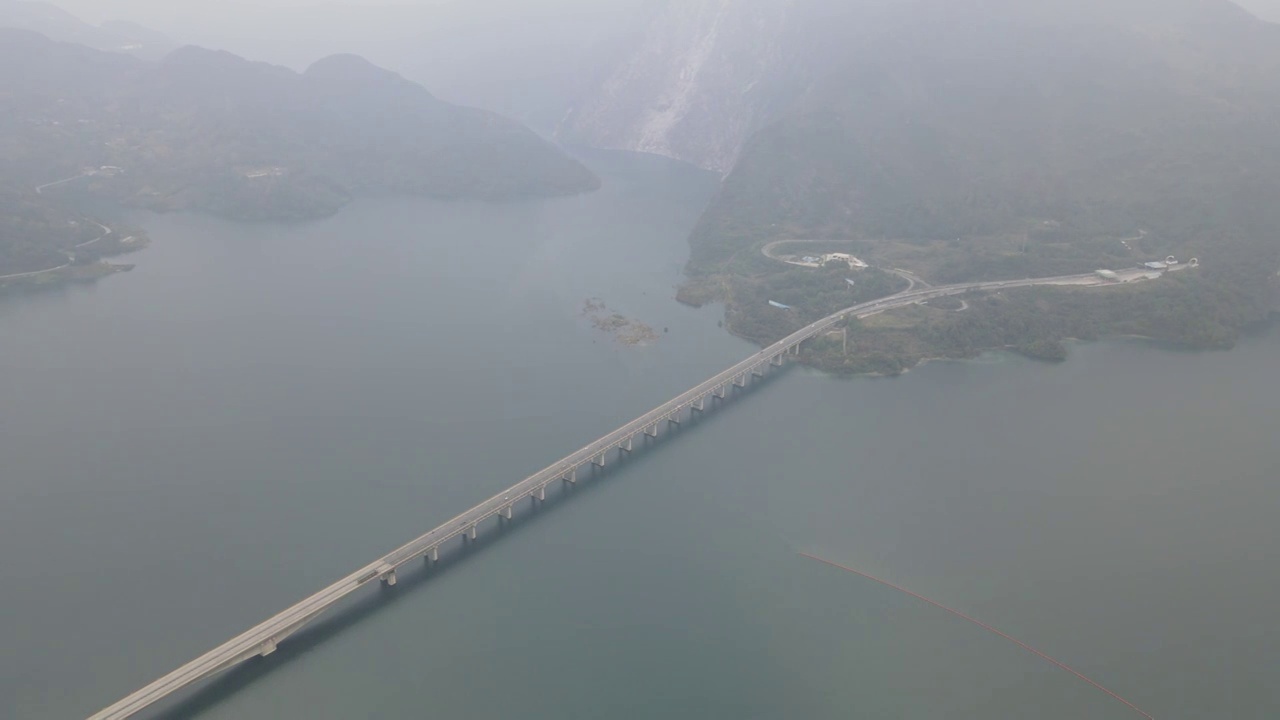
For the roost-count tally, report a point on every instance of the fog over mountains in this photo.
(947, 118)
(56, 23)
(917, 119)
(207, 130)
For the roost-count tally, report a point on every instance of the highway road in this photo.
(40, 189)
(263, 638)
(105, 232)
(34, 272)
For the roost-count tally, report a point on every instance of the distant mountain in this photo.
(969, 139)
(524, 60)
(950, 118)
(206, 130)
(694, 87)
(55, 23)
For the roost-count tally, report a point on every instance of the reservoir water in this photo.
(256, 410)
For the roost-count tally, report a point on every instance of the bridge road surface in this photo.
(263, 638)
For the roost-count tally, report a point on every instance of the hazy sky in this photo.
(297, 32)
(181, 12)
(178, 13)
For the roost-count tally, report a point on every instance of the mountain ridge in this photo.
(977, 140)
(209, 131)
(58, 24)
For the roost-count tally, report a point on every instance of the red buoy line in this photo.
(984, 626)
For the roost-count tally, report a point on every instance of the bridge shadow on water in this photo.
(410, 578)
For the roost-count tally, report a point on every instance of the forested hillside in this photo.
(206, 130)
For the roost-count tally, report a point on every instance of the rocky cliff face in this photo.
(695, 86)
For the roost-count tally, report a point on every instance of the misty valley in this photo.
(913, 359)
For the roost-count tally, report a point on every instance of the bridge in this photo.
(262, 639)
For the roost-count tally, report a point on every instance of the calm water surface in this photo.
(257, 410)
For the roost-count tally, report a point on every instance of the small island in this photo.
(623, 329)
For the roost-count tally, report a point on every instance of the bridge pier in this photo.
(471, 532)
(541, 495)
(505, 512)
(388, 578)
(433, 555)
(570, 477)
(673, 420)
(267, 647)
(757, 371)
(776, 360)
(652, 430)
(699, 405)
(718, 392)
(598, 460)
(625, 446)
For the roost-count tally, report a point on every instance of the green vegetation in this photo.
(1189, 309)
(811, 294)
(943, 140)
(37, 235)
(208, 131)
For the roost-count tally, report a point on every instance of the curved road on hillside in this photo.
(105, 232)
(262, 639)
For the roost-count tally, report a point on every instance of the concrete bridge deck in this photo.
(263, 638)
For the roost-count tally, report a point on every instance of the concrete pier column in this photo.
(267, 647)
(433, 555)
(674, 420)
(472, 531)
(757, 371)
(626, 445)
(776, 361)
(541, 495)
(388, 578)
(718, 392)
(570, 477)
(598, 460)
(740, 380)
(652, 430)
(506, 512)
(699, 405)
